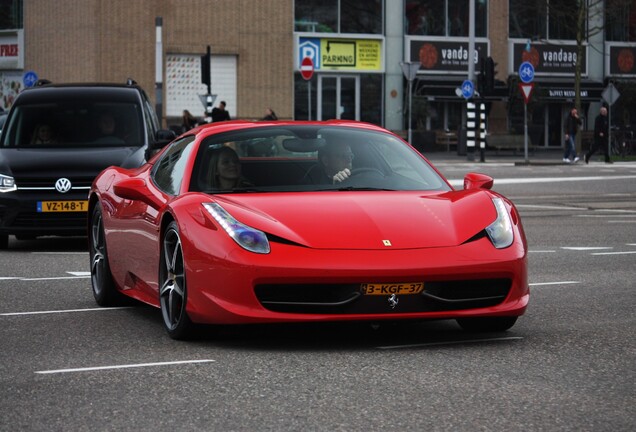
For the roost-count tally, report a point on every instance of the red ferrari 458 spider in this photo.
(262, 222)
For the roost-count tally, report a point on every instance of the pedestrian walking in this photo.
(601, 136)
(572, 123)
(270, 115)
(220, 113)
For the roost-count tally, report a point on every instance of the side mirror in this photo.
(135, 189)
(478, 181)
(165, 136)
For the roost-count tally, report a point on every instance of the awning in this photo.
(562, 90)
(442, 88)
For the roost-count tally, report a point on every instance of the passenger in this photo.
(225, 170)
(107, 126)
(334, 164)
(43, 135)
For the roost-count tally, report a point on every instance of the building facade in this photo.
(355, 47)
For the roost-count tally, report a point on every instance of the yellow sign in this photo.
(351, 54)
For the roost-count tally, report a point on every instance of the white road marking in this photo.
(45, 278)
(554, 283)
(584, 248)
(124, 366)
(544, 207)
(615, 253)
(467, 341)
(622, 221)
(59, 253)
(54, 278)
(81, 273)
(606, 215)
(64, 311)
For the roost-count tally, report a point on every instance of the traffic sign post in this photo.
(526, 72)
(526, 75)
(409, 69)
(307, 71)
(29, 78)
(468, 89)
(610, 95)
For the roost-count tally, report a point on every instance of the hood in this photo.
(366, 220)
(82, 162)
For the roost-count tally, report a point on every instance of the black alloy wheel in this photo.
(172, 285)
(104, 289)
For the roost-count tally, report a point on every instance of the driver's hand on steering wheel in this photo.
(342, 175)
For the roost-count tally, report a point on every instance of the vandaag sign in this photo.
(446, 56)
(550, 59)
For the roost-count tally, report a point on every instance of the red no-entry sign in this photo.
(307, 68)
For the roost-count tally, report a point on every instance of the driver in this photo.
(334, 164)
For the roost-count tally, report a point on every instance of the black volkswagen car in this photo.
(55, 141)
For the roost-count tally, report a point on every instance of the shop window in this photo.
(527, 20)
(562, 23)
(620, 20)
(361, 16)
(444, 18)
(11, 14)
(372, 89)
(339, 16)
(553, 19)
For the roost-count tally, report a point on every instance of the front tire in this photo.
(104, 289)
(487, 324)
(4, 241)
(173, 292)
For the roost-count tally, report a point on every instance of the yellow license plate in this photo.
(62, 206)
(392, 288)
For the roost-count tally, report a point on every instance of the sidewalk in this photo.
(537, 157)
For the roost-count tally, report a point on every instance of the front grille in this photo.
(48, 221)
(26, 183)
(438, 296)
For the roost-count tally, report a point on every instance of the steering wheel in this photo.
(370, 170)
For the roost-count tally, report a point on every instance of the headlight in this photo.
(7, 183)
(500, 231)
(247, 237)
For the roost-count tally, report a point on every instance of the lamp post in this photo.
(410, 72)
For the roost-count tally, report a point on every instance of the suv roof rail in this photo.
(41, 82)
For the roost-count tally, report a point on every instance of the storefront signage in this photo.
(10, 50)
(335, 54)
(565, 93)
(622, 60)
(444, 56)
(550, 59)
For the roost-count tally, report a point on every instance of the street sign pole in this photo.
(525, 132)
(307, 71)
(610, 95)
(309, 98)
(409, 69)
(526, 74)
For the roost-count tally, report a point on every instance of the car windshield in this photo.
(309, 158)
(74, 124)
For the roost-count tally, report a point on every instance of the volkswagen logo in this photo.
(63, 185)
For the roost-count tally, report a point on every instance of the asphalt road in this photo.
(567, 365)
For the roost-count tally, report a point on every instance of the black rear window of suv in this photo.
(75, 117)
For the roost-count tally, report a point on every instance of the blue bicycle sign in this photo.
(526, 72)
(468, 89)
